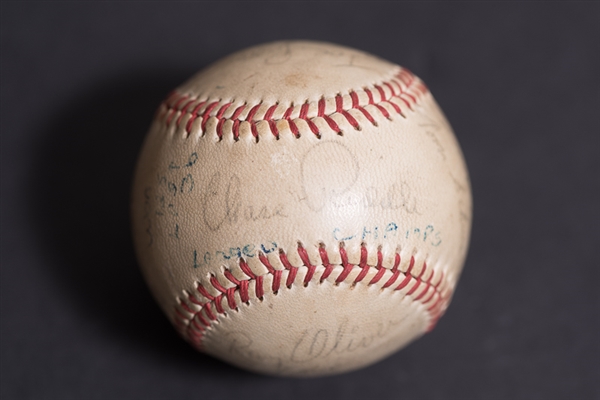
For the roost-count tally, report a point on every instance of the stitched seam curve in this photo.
(395, 95)
(195, 312)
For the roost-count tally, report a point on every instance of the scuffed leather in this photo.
(202, 200)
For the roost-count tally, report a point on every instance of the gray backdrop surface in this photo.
(80, 83)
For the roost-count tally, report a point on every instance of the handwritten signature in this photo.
(321, 343)
(222, 204)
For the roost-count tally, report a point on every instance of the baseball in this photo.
(301, 208)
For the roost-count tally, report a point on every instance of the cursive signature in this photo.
(222, 204)
(321, 343)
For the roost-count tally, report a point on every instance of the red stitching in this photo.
(244, 291)
(311, 268)
(269, 118)
(395, 274)
(197, 325)
(339, 107)
(221, 119)
(381, 92)
(194, 300)
(232, 278)
(347, 266)
(183, 111)
(174, 109)
(218, 304)
(407, 275)
(403, 87)
(325, 262)
(194, 115)
(246, 269)
(276, 273)
(193, 323)
(363, 264)
(379, 275)
(321, 110)
(369, 96)
(205, 293)
(249, 118)
(293, 270)
(179, 314)
(186, 307)
(206, 114)
(383, 110)
(208, 311)
(236, 122)
(230, 298)
(217, 285)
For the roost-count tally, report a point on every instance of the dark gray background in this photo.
(80, 83)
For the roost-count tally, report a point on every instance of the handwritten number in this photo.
(192, 160)
(172, 188)
(175, 233)
(428, 234)
(187, 184)
(427, 231)
(195, 259)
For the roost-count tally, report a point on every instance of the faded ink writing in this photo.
(322, 343)
(245, 251)
(222, 204)
(428, 234)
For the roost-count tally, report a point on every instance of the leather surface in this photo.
(379, 188)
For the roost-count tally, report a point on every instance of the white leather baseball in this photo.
(301, 208)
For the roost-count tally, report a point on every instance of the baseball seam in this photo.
(394, 95)
(195, 312)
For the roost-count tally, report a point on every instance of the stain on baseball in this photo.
(301, 208)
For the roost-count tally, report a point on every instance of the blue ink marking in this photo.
(191, 161)
(367, 232)
(248, 250)
(428, 229)
(172, 188)
(235, 252)
(175, 233)
(195, 259)
(264, 249)
(391, 227)
(417, 231)
(336, 232)
(189, 181)
(429, 234)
